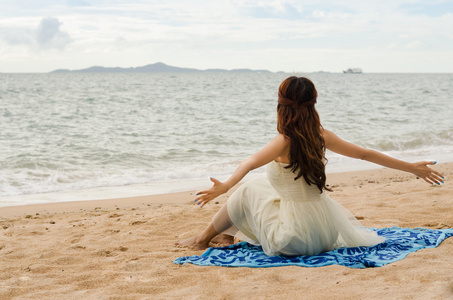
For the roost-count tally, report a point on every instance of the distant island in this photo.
(154, 68)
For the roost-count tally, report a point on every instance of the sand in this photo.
(124, 248)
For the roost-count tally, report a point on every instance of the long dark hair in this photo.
(299, 121)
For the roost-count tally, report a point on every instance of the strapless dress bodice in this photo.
(282, 180)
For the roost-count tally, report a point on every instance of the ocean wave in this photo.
(412, 141)
(85, 131)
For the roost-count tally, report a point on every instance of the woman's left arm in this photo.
(420, 169)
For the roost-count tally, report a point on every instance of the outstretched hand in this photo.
(216, 190)
(422, 170)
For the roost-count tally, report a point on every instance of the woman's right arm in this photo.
(420, 169)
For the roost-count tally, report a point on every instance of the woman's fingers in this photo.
(428, 177)
(202, 192)
(203, 202)
(204, 196)
(215, 181)
(436, 179)
(433, 175)
(428, 174)
(438, 174)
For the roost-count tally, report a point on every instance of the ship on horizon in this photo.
(353, 71)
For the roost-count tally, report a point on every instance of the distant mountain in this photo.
(153, 68)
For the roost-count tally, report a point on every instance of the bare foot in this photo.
(192, 243)
(223, 239)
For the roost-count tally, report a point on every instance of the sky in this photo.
(398, 36)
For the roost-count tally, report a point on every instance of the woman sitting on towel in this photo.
(289, 212)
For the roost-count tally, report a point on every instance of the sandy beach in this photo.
(124, 248)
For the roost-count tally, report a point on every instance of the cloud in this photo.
(48, 34)
(76, 3)
(434, 8)
(413, 45)
(17, 36)
(248, 33)
(269, 10)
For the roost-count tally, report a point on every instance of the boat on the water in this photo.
(353, 71)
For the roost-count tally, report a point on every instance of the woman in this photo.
(289, 213)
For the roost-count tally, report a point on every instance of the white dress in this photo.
(287, 216)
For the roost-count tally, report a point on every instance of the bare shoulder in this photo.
(328, 136)
(282, 138)
(326, 132)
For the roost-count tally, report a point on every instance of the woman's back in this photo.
(282, 180)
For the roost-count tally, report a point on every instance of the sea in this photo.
(88, 136)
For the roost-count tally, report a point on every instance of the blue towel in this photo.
(398, 244)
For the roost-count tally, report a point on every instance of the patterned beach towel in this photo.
(399, 243)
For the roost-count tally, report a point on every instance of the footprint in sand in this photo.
(138, 222)
(76, 238)
(78, 247)
(122, 249)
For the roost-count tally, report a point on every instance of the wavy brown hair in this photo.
(298, 120)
